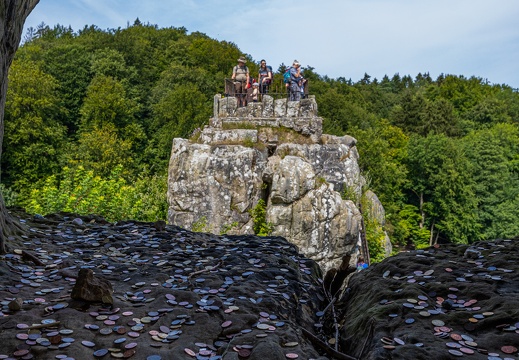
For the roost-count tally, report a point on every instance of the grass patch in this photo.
(247, 125)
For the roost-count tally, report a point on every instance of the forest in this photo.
(91, 114)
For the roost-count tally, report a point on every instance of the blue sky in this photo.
(339, 38)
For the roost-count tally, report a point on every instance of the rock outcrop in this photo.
(434, 304)
(272, 151)
(89, 287)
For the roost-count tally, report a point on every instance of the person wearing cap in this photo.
(240, 75)
(255, 92)
(295, 81)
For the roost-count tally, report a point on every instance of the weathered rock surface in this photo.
(302, 186)
(216, 185)
(320, 223)
(16, 304)
(176, 293)
(302, 175)
(431, 304)
(89, 287)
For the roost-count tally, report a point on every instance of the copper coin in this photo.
(467, 351)
(226, 323)
(20, 353)
(509, 349)
(54, 340)
(129, 353)
(292, 356)
(456, 337)
(244, 353)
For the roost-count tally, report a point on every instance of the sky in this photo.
(338, 38)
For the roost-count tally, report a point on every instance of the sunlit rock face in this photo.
(273, 151)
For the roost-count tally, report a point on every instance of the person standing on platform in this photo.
(264, 77)
(240, 75)
(295, 81)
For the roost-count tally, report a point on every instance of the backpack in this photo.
(237, 68)
(269, 69)
(286, 77)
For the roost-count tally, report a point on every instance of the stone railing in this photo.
(227, 107)
(301, 116)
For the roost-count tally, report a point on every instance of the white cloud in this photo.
(339, 38)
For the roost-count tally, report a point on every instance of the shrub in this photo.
(80, 191)
(259, 218)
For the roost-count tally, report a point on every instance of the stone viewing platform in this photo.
(300, 116)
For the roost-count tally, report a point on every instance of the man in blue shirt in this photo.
(295, 81)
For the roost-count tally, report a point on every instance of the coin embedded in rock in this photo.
(509, 349)
(100, 352)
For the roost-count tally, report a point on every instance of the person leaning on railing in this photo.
(240, 75)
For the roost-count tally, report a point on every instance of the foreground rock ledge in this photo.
(176, 293)
(426, 303)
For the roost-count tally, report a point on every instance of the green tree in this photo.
(176, 113)
(101, 149)
(69, 63)
(106, 103)
(81, 191)
(494, 153)
(33, 137)
(416, 114)
(12, 18)
(441, 186)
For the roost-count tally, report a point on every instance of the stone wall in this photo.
(300, 116)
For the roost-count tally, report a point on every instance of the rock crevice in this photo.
(273, 150)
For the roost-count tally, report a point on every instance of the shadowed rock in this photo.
(88, 287)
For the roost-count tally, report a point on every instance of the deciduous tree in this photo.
(12, 18)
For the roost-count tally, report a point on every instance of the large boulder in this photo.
(321, 224)
(292, 179)
(335, 163)
(274, 151)
(215, 185)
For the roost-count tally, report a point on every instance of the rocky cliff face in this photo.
(273, 150)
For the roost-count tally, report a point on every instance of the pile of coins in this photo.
(166, 284)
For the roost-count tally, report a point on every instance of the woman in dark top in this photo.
(264, 77)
